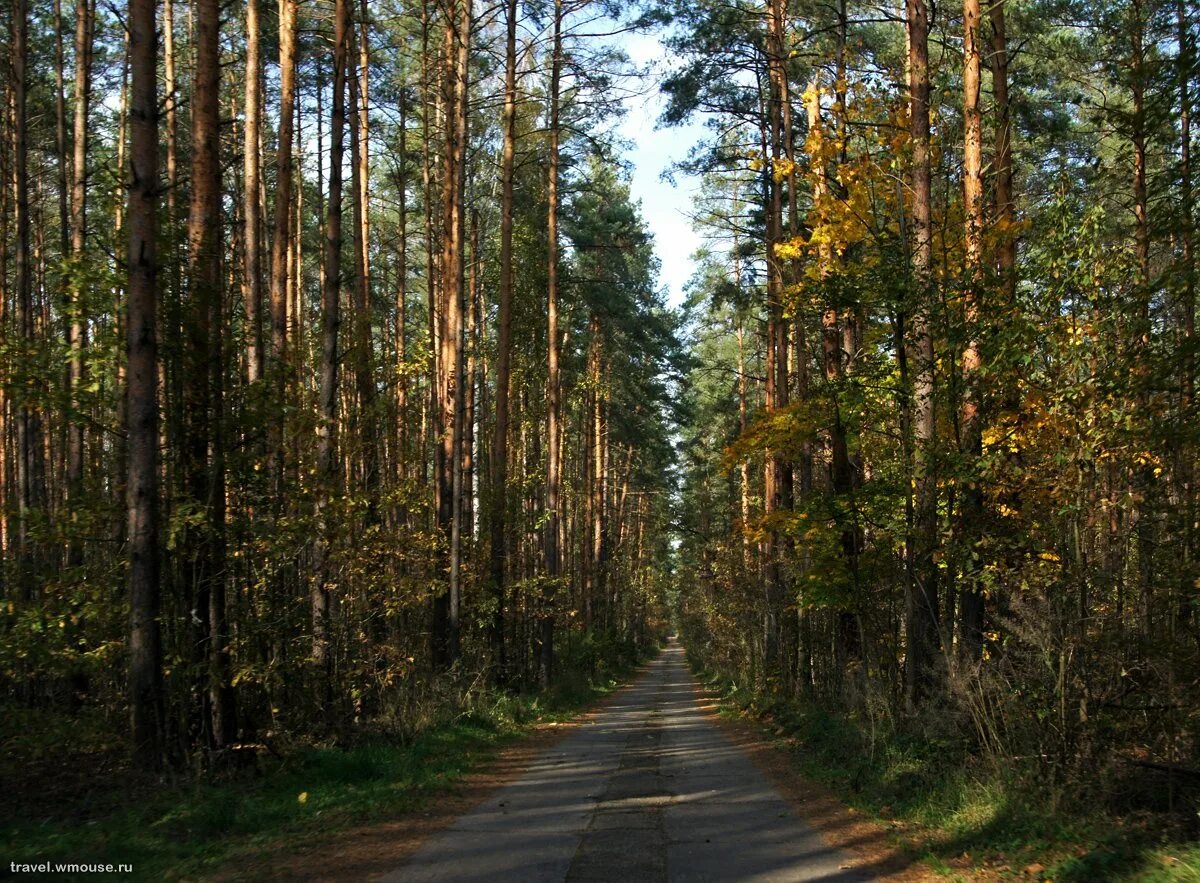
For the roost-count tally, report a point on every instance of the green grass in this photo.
(171, 832)
(958, 814)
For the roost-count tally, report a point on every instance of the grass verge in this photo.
(965, 819)
(191, 829)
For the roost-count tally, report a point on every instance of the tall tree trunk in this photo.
(402, 378)
(1005, 210)
(454, 98)
(971, 422)
(598, 529)
(833, 362)
(62, 163)
(363, 118)
(280, 243)
(553, 381)
(78, 323)
(364, 381)
(499, 499)
(174, 414)
(205, 570)
(30, 471)
(330, 318)
(170, 102)
(145, 649)
(779, 483)
(252, 283)
(922, 609)
(471, 367)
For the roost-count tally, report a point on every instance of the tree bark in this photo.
(553, 381)
(971, 421)
(364, 380)
(499, 498)
(30, 446)
(77, 327)
(252, 180)
(280, 243)
(330, 319)
(206, 472)
(922, 609)
(450, 344)
(145, 650)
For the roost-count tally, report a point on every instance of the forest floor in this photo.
(75, 800)
(905, 801)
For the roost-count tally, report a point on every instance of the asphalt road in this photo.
(648, 790)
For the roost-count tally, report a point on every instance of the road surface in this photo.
(648, 790)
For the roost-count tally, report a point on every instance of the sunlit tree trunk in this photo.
(499, 499)
(553, 380)
(281, 242)
(402, 378)
(451, 323)
(364, 380)
(922, 610)
(971, 422)
(252, 180)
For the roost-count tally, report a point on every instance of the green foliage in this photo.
(193, 829)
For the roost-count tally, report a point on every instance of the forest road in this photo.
(650, 789)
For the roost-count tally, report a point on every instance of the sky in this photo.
(665, 206)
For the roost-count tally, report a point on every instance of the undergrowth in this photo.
(193, 826)
(968, 817)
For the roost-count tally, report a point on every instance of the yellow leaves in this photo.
(302, 798)
(791, 250)
(1148, 459)
(782, 168)
(1049, 556)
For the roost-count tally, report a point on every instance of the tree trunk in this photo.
(779, 483)
(499, 499)
(454, 98)
(330, 318)
(402, 378)
(30, 447)
(281, 241)
(145, 650)
(252, 177)
(205, 473)
(971, 421)
(77, 328)
(553, 381)
(364, 380)
(1007, 247)
(922, 601)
